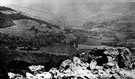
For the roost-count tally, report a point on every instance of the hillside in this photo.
(16, 22)
(116, 29)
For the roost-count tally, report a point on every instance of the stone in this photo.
(36, 67)
(93, 64)
(65, 63)
(15, 76)
(30, 76)
(77, 61)
(11, 75)
(54, 72)
(44, 75)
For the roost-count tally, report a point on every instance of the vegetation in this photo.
(5, 21)
(48, 38)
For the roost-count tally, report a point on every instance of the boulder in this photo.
(93, 64)
(121, 55)
(44, 75)
(15, 76)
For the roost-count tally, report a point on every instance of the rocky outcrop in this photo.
(106, 63)
(120, 55)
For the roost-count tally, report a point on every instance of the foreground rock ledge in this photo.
(97, 63)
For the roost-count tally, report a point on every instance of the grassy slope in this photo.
(17, 23)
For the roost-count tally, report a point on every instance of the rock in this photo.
(99, 67)
(11, 75)
(93, 64)
(77, 61)
(121, 55)
(78, 69)
(44, 75)
(36, 67)
(15, 76)
(20, 77)
(54, 72)
(65, 64)
(127, 73)
(30, 76)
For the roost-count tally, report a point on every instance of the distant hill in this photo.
(112, 29)
(16, 22)
(113, 26)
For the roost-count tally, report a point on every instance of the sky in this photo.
(68, 11)
(58, 1)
